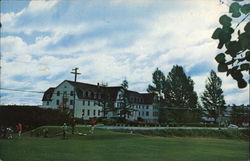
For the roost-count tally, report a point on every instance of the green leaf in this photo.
(242, 83)
(225, 20)
(245, 8)
(225, 36)
(222, 67)
(236, 14)
(248, 56)
(245, 66)
(220, 58)
(228, 29)
(236, 74)
(233, 47)
(235, 9)
(216, 33)
(244, 40)
(247, 28)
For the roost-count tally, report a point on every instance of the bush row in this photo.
(224, 134)
(118, 122)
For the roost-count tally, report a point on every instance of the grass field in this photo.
(105, 145)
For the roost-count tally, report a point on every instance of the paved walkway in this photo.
(159, 128)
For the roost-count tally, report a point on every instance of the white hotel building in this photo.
(87, 96)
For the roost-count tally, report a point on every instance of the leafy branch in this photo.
(235, 59)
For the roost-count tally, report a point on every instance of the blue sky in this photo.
(108, 40)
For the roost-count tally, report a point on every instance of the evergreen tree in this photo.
(180, 89)
(125, 107)
(212, 98)
(159, 81)
(180, 97)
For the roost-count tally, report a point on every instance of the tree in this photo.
(105, 100)
(234, 58)
(125, 107)
(212, 98)
(240, 115)
(159, 81)
(180, 97)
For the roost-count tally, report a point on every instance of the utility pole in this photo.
(75, 73)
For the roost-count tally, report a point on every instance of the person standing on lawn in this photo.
(19, 128)
(93, 124)
(65, 128)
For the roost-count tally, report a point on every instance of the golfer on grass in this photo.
(65, 128)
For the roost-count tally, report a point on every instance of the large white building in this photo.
(88, 96)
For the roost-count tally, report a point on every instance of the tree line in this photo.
(177, 100)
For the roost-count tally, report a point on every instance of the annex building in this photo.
(88, 97)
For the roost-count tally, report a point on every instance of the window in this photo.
(139, 113)
(72, 93)
(147, 107)
(47, 103)
(142, 113)
(88, 103)
(94, 112)
(71, 102)
(99, 112)
(83, 102)
(147, 113)
(57, 102)
(58, 93)
(83, 112)
(86, 94)
(88, 112)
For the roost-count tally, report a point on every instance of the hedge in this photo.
(30, 116)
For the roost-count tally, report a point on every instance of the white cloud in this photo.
(41, 5)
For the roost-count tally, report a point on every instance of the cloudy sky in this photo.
(108, 40)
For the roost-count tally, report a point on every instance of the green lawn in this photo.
(106, 145)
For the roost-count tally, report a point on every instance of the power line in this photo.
(19, 90)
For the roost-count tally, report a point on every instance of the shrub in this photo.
(225, 134)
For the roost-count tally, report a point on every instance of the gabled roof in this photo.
(48, 94)
(83, 88)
